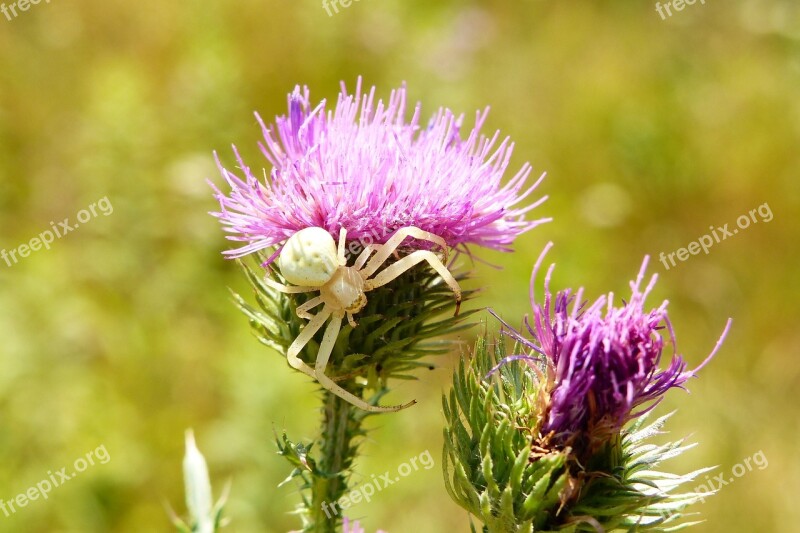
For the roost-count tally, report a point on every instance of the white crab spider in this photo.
(310, 261)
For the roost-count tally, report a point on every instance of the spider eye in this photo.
(309, 258)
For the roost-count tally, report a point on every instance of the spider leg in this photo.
(288, 289)
(342, 239)
(302, 311)
(396, 240)
(364, 256)
(306, 335)
(324, 354)
(352, 321)
(396, 269)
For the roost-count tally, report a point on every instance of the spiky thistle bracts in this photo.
(497, 467)
(553, 437)
(365, 168)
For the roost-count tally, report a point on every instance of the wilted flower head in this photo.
(363, 167)
(603, 360)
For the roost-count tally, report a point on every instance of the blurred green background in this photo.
(122, 334)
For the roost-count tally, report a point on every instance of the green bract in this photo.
(497, 468)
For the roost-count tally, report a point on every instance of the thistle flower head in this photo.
(363, 167)
(603, 360)
(547, 446)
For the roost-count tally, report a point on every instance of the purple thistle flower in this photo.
(602, 361)
(364, 168)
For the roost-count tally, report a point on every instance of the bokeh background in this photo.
(122, 334)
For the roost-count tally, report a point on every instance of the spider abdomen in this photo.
(309, 257)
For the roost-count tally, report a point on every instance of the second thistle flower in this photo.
(555, 443)
(603, 362)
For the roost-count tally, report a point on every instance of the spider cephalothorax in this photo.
(310, 261)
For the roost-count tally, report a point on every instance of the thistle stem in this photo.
(340, 425)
